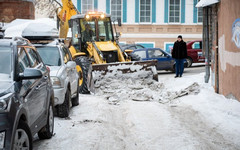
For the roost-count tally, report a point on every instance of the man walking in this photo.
(179, 53)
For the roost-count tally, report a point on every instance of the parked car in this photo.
(165, 60)
(133, 56)
(194, 52)
(64, 75)
(26, 95)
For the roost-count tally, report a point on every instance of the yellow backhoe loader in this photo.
(93, 45)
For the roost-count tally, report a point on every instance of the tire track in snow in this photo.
(207, 136)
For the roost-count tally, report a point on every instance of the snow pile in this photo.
(137, 86)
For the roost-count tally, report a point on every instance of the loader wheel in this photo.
(82, 67)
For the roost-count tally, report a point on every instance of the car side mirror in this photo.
(119, 22)
(30, 73)
(71, 64)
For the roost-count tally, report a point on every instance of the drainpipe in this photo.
(206, 29)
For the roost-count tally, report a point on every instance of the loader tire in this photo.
(83, 64)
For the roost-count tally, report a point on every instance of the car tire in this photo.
(189, 61)
(23, 137)
(64, 108)
(84, 65)
(47, 131)
(75, 100)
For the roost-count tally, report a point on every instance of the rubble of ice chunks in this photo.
(120, 88)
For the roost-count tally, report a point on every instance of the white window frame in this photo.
(150, 22)
(121, 10)
(180, 6)
(88, 10)
(146, 43)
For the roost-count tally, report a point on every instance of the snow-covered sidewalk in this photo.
(182, 113)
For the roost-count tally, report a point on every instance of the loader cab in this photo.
(92, 27)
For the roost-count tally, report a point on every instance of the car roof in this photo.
(15, 41)
(144, 49)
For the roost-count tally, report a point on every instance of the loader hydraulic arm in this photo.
(64, 14)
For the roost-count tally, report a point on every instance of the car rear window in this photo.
(141, 54)
(5, 60)
(50, 55)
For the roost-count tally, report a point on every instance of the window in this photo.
(145, 11)
(116, 9)
(197, 45)
(141, 54)
(23, 61)
(155, 53)
(139, 46)
(34, 61)
(47, 53)
(87, 5)
(200, 14)
(174, 11)
(5, 60)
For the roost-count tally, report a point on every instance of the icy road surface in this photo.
(182, 114)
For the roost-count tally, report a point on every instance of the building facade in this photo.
(152, 23)
(12, 9)
(224, 44)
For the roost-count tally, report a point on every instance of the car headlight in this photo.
(4, 100)
(2, 139)
(56, 82)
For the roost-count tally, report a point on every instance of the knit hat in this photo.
(180, 36)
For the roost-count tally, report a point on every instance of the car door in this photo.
(71, 72)
(157, 54)
(38, 105)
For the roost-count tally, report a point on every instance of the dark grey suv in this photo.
(26, 95)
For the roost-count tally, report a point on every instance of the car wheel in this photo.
(75, 100)
(23, 137)
(47, 131)
(83, 65)
(189, 61)
(63, 109)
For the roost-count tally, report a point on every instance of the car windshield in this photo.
(50, 55)
(5, 63)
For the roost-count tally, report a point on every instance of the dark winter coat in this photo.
(179, 50)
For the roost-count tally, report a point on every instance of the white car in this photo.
(64, 76)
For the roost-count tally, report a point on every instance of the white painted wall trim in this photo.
(126, 35)
(146, 43)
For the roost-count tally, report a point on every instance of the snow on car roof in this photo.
(45, 26)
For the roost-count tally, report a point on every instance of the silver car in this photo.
(63, 74)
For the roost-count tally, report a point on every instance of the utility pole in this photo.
(206, 40)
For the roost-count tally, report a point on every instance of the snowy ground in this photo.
(182, 113)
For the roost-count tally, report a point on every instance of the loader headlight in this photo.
(56, 82)
(87, 16)
(2, 139)
(102, 16)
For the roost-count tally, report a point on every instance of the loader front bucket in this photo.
(142, 69)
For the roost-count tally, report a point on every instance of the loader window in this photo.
(87, 30)
(105, 32)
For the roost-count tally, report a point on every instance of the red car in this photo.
(194, 52)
